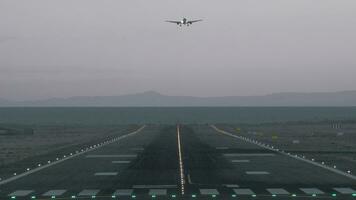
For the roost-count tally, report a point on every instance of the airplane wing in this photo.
(174, 22)
(193, 21)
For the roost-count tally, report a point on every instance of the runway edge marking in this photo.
(69, 157)
(286, 154)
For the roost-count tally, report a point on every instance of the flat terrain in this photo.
(18, 149)
(328, 142)
(145, 164)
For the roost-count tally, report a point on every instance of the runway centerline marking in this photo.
(120, 162)
(105, 174)
(181, 166)
(336, 171)
(67, 158)
(240, 161)
(257, 172)
(231, 185)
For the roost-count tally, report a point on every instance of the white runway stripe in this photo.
(113, 156)
(311, 191)
(243, 191)
(257, 172)
(120, 162)
(88, 192)
(21, 193)
(54, 193)
(344, 190)
(105, 174)
(277, 191)
(123, 192)
(248, 154)
(231, 185)
(158, 192)
(209, 191)
(240, 161)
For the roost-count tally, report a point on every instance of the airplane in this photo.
(184, 21)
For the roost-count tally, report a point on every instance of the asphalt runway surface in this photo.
(147, 164)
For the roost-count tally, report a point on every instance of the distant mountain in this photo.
(343, 98)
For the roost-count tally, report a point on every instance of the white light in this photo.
(322, 163)
(349, 171)
(39, 165)
(14, 174)
(312, 159)
(334, 166)
(57, 158)
(48, 161)
(28, 169)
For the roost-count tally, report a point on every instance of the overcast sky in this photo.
(63, 48)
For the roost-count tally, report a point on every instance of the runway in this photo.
(178, 162)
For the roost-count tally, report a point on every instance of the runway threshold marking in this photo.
(123, 192)
(89, 192)
(286, 154)
(157, 192)
(243, 191)
(181, 166)
(311, 191)
(345, 190)
(209, 192)
(54, 193)
(277, 191)
(69, 157)
(21, 193)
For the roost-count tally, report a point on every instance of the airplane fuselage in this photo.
(184, 21)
